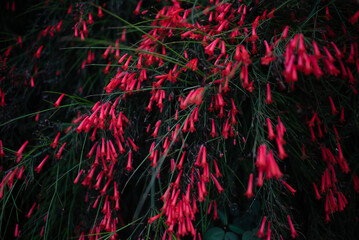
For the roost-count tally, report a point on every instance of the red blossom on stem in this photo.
(39, 167)
(58, 101)
(292, 190)
(260, 233)
(294, 234)
(269, 96)
(218, 186)
(249, 192)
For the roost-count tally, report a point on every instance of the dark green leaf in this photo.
(236, 229)
(215, 233)
(249, 235)
(231, 236)
(223, 216)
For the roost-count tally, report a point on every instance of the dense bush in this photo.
(179, 119)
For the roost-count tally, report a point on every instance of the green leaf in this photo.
(249, 235)
(215, 233)
(236, 229)
(231, 236)
(223, 216)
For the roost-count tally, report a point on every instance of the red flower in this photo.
(155, 132)
(317, 195)
(58, 101)
(269, 55)
(100, 14)
(292, 190)
(28, 215)
(2, 154)
(218, 186)
(272, 169)
(260, 233)
(17, 231)
(213, 132)
(38, 52)
(293, 232)
(334, 110)
(285, 32)
(218, 173)
(271, 134)
(58, 154)
(192, 65)
(134, 147)
(152, 219)
(78, 177)
(180, 164)
(129, 160)
(200, 192)
(137, 10)
(39, 167)
(269, 96)
(54, 143)
(249, 192)
(282, 154)
(18, 154)
(268, 231)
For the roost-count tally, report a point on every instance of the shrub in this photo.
(179, 119)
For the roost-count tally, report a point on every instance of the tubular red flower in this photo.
(28, 215)
(200, 192)
(19, 152)
(58, 101)
(39, 167)
(180, 164)
(38, 52)
(21, 149)
(204, 157)
(17, 231)
(337, 51)
(129, 162)
(137, 10)
(268, 231)
(249, 192)
(334, 110)
(155, 132)
(282, 154)
(317, 195)
(78, 177)
(260, 233)
(292, 190)
(271, 134)
(292, 230)
(218, 186)
(154, 218)
(100, 14)
(285, 32)
(218, 173)
(261, 163)
(213, 132)
(269, 96)
(54, 143)
(272, 169)
(134, 147)
(2, 154)
(58, 154)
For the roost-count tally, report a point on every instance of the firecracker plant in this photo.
(200, 119)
